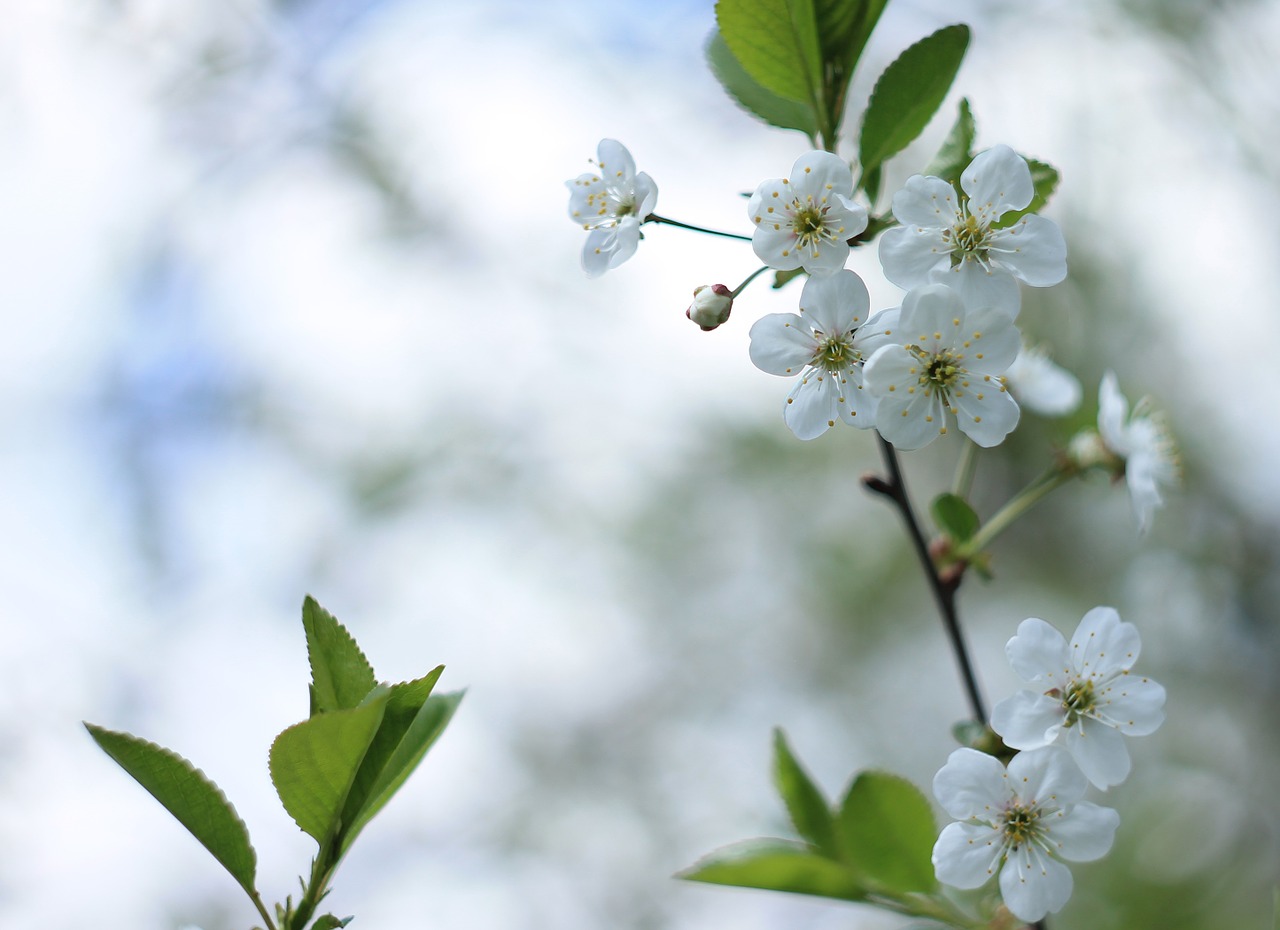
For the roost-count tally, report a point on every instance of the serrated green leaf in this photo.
(776, 42)
(957, 150)
(776, 865)
(341, 676)
(843, 29)
(908, 93)
(410, 728)
(754, 98)
(810, 811)
(1045, 179)
(888, 831)
(954, 516)
(190, 796)
(314, 764)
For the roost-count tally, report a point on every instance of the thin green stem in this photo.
(751, 277)
(965, 469)
(944, 588)
(1014, 508)
(662, 220)
(262, 909)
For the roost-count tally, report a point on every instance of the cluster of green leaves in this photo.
(874, 847)
(333, 772)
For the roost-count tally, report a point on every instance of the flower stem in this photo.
(662, 220)
(1014, 508)
(965, 468)
(943, 587)
(751, 277)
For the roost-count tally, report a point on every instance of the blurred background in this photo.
(291, 303)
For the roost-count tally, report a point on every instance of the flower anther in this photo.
(805, 221)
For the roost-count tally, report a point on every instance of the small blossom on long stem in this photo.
(805, 221)
(945, 361)
(611, 203)
(950, 237)
(1084, 694)
(1018, 823)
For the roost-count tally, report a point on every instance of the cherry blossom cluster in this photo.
(1081, 699)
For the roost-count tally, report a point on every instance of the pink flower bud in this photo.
(711, 306)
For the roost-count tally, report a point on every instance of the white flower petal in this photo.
(821, 174)
(1033, 249)
(597, 254)
(1047, 777)
(980, 286)
(1102, 642)
(1113, 410)
(646, 195)
(1085, 833)
(1041, 386)
(812, 407)
(877, 332)
(986, 417)
(1033, 886)
(971, 784)
(614, 160)
(858, 406)
(1039, 653)
(909, 421)
(824, 258)
(774, 243)
(909, 253)
(991, 341)
(997, 181)
(775, 193)
(1135, 705)
(1099, 751)
(1026, 720)
(781, 344)
(836, 303)
(967, 855)
(926, 201)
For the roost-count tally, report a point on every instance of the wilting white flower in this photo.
(1018, 822)
(1137, 448)
(711, 305)
(824, 344)
(946, 237)
(945, 361)
(1041, 386)
(805, 221)
(611, 203)
(1085, 695)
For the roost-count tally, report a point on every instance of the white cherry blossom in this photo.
(946, 361)
(1041, 386)
(949, 237)
(611, 203)
(824, 345)
(1018, 823)
(1084, 694)
(1143, 446)
(805, 221)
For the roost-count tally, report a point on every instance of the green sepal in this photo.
(341, 676)
(754, 97)
(957, 149)
(776, 865)
(908, 93)
(888, 831)
(810, 812)
(776, 43)
(314, 764)
(954, 516)
(190, 796)
(330, 922)
(1044, 178)
(783, 278)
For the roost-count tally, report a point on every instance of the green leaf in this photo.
(1045, 178)
(776, 42)
(341, 677)
(776, 865)
(412, 724)
(783, 278)
(843, 29)
(810, 812)
(314, 764)
(889, 832)
(908, 93)
(190, 796)
(957, 149)
(752, 97)
(954, 516)
(329, 922)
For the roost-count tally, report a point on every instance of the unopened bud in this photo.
(1088, 450)
(711, 306)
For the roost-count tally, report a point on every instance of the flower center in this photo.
(1021, 825)
(938, 371)
(835, 353)
(968, 239)
(809, 223)
(1079, 700)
